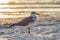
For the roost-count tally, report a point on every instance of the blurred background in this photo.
(23, 8)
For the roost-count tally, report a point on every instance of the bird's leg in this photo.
(29, 30)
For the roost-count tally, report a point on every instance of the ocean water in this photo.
(43, 30)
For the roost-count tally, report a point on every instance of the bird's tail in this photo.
(10, 26)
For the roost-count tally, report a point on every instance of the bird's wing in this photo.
(24, 22)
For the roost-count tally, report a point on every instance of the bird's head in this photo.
(34, 15)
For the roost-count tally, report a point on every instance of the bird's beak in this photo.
(37, 14)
